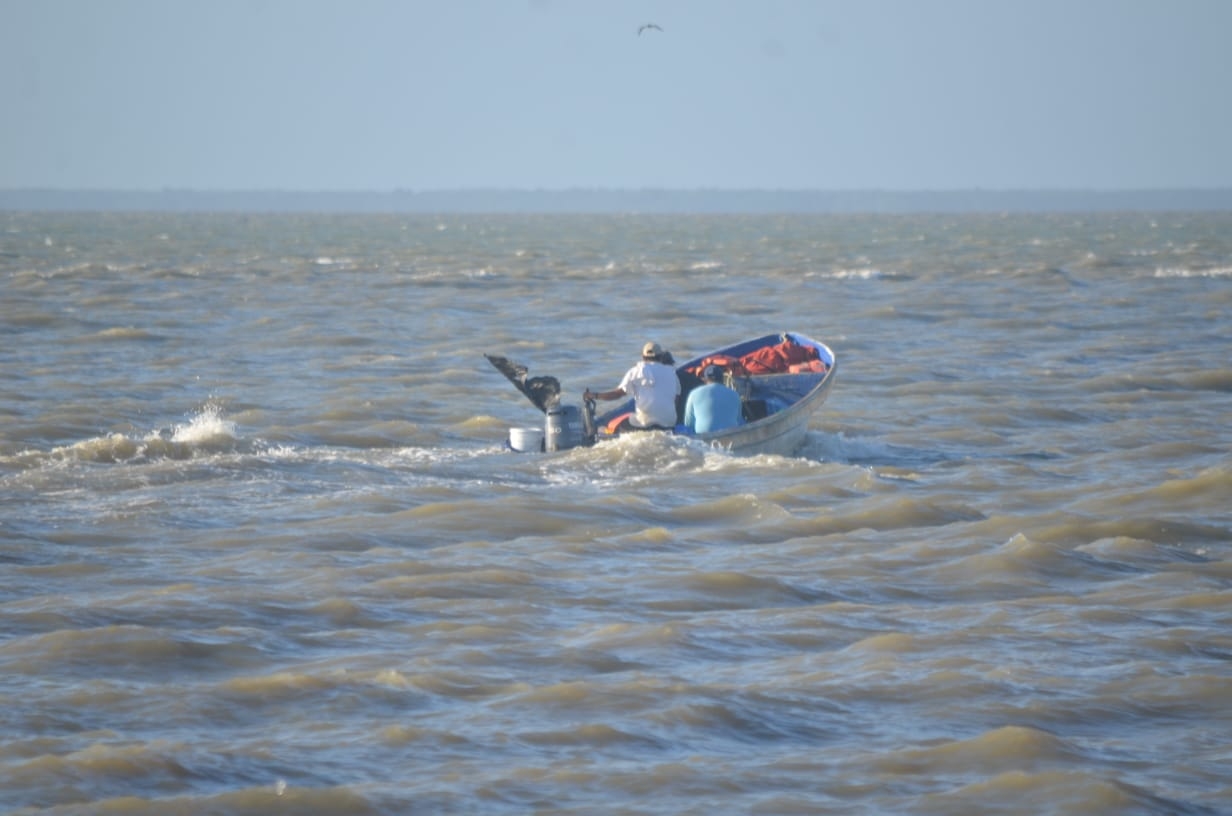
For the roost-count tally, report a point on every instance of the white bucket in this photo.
(526, 440)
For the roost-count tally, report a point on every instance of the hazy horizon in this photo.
(614, 189)
(647, 200)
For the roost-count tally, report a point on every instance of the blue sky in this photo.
(558, 94)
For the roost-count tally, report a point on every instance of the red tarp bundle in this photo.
(777, 359)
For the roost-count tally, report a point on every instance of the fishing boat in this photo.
(782, 380)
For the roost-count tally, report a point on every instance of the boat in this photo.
(782, 379)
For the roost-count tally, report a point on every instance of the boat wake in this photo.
(838, 448)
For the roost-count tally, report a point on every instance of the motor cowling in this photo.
(564, 428)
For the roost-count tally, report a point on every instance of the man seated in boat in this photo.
(712, 406)
(653, 386)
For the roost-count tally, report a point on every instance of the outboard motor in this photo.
(563, 428)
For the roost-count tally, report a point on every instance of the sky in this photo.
(425, 95)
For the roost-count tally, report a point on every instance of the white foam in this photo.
(205, 426)
(859, 273)
(837, 447)
(1183, 272)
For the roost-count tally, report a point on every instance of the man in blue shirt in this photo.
(713, 406)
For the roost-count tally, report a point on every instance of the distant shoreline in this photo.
(645, 201)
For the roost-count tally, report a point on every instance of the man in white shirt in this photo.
(653, 386)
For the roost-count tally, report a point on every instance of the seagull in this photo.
(645, 26)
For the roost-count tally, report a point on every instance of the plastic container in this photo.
(526, 440)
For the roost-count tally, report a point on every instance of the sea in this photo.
(264, 548)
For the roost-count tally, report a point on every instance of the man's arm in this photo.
(615, 393)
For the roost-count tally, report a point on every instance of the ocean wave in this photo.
(856, 273)
(1186, 272)
(124, 333)
(207, 432)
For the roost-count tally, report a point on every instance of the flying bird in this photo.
(646, 26)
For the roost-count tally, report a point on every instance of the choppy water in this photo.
(262, 549)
